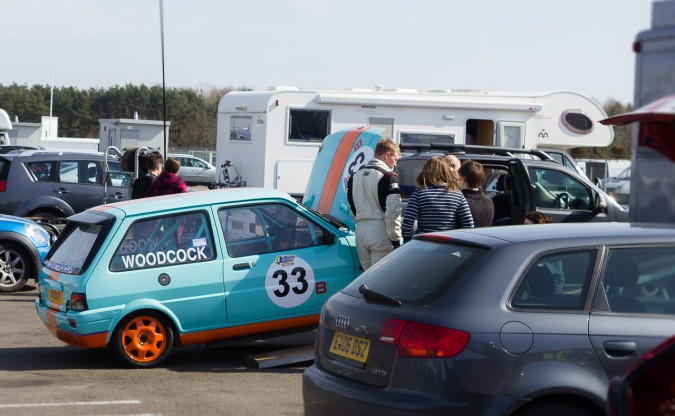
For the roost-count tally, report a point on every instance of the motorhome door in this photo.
(510, 134)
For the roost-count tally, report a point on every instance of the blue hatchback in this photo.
(23, 246)
(142, 276)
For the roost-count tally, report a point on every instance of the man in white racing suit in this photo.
(375, 201)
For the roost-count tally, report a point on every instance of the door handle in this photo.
(241, 266)
(117, 195)
(620, 348)
(62, 191)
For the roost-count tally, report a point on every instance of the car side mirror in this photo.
(601, 204)
(329, 238)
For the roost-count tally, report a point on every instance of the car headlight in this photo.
(37, 234)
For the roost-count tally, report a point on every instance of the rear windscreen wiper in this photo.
(371, 294)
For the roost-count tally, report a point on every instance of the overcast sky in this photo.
(581, 45)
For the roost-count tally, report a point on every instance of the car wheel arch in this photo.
(570, 382)
(146, 306)
(26, 244)
(25, 255)
(45, 204)
(154, 319)
(560, 404)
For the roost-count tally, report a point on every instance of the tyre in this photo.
(15, 267)
(45, 215)
(52, 229)
(143, 339)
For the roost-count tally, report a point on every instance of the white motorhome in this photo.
(272, 137)
(5, 126)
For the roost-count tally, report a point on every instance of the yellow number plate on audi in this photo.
(55, 296)
(348, 346)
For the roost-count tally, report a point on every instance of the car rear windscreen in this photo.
(419, 271)
(75, 248)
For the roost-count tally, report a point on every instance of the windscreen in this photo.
(74, 248)
(418, 271)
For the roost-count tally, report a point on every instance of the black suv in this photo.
(520, 181)
(57, 184)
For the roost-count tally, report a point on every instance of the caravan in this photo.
(5, 126)
(273, 136)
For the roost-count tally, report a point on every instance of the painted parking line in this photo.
(131, 414)
(63, 404)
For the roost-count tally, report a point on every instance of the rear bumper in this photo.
(86, 333)
(325, 394)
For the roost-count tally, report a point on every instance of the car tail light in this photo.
(419, 340)
(78, 302)
(3, 186)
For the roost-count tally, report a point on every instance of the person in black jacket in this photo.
(154, 163)
(482, 208)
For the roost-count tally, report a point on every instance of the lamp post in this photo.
(161, 26)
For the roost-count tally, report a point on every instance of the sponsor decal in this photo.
(289, 281)
(199, 242)
(132, 246)
(61, 268)
(192, 254)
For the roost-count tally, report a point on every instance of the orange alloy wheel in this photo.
(144, 339)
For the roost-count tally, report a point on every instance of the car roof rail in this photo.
(459, 148)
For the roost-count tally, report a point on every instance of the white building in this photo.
(121, 133)
(124, 133)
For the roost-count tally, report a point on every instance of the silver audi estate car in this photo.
(519, 320)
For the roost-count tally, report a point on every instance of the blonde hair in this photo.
(436, 171)
(386, 145)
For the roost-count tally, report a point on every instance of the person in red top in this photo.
(168, 182)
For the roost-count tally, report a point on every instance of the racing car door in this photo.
(279, 263)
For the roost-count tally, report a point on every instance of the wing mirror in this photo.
(601, 203)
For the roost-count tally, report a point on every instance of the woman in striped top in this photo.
(438, 203)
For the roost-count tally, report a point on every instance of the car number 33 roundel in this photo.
(289, 281)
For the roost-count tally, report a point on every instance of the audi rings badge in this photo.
(342, 322)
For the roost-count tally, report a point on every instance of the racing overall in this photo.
(375, 201)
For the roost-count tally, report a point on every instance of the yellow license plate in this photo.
(55, 296)
(351, 347)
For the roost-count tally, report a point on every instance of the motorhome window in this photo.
(240, 128)
(577, 121)
(308, 125)
(479, 132)
(386, 123)
(512, 135)
(423, 138)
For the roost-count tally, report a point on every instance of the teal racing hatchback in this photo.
(141, 277)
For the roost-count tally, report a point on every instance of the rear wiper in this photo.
(371, 294)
